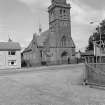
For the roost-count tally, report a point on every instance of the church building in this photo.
(55, 45)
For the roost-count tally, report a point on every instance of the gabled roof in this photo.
(5, 46)
(29, 48)
(31, 44)
(42, 39)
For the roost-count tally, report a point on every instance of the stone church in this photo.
(55, 45)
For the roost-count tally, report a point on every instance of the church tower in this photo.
(59, 19)
(60, 27)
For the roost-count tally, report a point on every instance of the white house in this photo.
(10, 55)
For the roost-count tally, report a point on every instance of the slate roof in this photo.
(33, 42)
(29, 48)
(5, 46)
(42, 39)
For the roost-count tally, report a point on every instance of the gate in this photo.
(95, 74)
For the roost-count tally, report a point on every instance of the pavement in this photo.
(54, 85)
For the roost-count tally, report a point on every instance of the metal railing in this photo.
(95, 74)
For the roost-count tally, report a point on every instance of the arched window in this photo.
(64, 11)
(60, 11)
(63, 41)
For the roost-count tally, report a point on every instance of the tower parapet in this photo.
(59, 1)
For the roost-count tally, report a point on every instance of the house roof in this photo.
(9, 46)
(39, 41)
(29, 48)
(42, 39)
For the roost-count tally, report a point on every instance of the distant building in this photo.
(78, 54)
(88, 56)
(78, 57)
(54, 46)
(10, 55)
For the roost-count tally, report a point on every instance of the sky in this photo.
(19, 19)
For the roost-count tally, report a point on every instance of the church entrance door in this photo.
(65, 58)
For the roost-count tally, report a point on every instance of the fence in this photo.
(95, 74)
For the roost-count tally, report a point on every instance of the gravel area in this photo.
(57, 85)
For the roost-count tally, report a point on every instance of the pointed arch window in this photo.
(63, 41)
(60, 11)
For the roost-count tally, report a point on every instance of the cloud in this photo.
(82, 12)
(38, 8)
(94, 4)
(37, 3)
(78, 14)
(27, 12)
(81, 16)
(28, 1)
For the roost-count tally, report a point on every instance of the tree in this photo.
(100, 30)
(90, 44)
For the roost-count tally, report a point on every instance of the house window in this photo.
(12, 53)
(12, 62)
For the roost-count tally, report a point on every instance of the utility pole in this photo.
(100, 42)
(99, 29)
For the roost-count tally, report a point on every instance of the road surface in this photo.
(55, 85)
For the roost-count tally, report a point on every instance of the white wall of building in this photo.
(5, 58)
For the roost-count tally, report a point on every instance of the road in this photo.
(55, 85)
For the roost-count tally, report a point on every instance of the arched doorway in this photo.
(65, 58)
